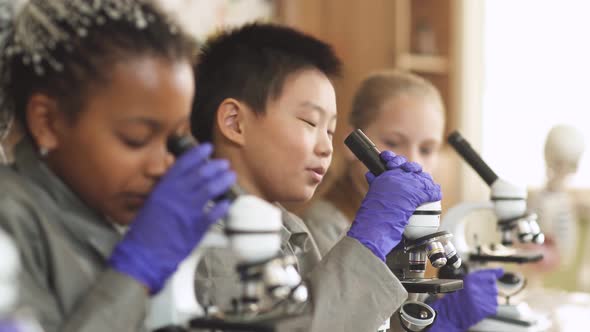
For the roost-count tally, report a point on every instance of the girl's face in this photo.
(409, 126)
(112, 153)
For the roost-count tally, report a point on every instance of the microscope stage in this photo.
(296, 323)
(520, 257)
(432, 286)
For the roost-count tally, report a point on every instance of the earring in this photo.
(43, 151)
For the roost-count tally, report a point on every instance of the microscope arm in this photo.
(176, 304)
(455, 219)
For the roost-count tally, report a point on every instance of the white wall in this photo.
(537, 74)
(203, 17)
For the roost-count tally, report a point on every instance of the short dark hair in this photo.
(86, 59)
(251, 64)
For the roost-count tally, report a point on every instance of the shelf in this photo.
(423, 63)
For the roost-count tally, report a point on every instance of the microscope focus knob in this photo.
(275, 278)
(300, 294)
(453, 258)
(297, 288)
(539, 238)
(524, 231)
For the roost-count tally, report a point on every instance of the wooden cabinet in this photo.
(424, 43)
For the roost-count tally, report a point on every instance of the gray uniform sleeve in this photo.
(111, 302)
(353, 290)
(115, 303)
(326, 224)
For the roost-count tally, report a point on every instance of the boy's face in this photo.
(409, 126)
(114, 151)
(288, 149)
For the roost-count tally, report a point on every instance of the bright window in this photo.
(537, 74)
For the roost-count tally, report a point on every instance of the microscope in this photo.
(9, 268)
(422, 239)
(514, 223)
(251, 229)
(11, 317)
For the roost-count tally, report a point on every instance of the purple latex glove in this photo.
(392, 198)
(174, 218)
(477, 300)
(8, 326)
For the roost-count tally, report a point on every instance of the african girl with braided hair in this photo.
(100, 211)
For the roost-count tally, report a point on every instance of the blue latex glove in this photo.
(392, 198)
(477, 300)
(174, 218)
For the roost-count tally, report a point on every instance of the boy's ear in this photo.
(45, 121)
(230, 120)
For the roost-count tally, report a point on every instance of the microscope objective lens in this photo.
(436, 254)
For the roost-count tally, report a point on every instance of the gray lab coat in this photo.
(351, 289)
(64, 247)
(326, 223)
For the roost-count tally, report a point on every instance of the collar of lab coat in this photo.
(77, 218)
(296, 235)
(290, 226)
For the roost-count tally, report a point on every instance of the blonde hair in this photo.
(380, 86)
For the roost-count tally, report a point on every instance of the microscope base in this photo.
(514, 318)
(295, 323)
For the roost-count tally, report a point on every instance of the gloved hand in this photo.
(7, 326)
(392, 198)
(477, 300)
(174, 218)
